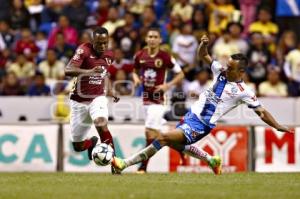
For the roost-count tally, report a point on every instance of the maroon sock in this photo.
(144, 164)
(106, 138)
(87, 144)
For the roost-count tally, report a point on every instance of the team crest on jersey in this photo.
(158, 63)
(108, 61)
(79, 51)
(234, 90)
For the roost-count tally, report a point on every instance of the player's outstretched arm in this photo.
(110, 92)
(135, 77)
(269, 119)
(202, 51)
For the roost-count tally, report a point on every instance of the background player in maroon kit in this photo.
(151, 65)
(88, 99)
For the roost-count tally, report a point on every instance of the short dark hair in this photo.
(154, 29)
(100, 30)
(242, 59)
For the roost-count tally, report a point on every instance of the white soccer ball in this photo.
(102, 154)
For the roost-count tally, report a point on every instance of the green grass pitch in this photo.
(148, 186)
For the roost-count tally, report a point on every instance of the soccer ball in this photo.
(102, 154)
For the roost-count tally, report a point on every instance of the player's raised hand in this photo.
(204, 40)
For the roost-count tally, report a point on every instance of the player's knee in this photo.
(100, 122)
(78, 146)
(164, 139)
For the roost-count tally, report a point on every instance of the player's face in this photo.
(233, 73)
(153, 39)
(100, 42)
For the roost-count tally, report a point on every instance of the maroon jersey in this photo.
(88, 87)
(153, 73)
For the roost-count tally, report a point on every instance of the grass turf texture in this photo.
(162, 186)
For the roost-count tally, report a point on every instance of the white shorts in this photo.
(83, 115)
(154, 116)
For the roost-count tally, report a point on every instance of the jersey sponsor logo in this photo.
(158, 63)
(150, 78)
(212, 97)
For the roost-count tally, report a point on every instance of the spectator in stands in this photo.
(184, 9)
(52, 68)
(23, 68)
(26, 45)
(85, 37)
(265, 26)
(235, 30)
(102, 12)
(63, 50)
(292, 71)
(38, 87)
(224, 47)
(138, 7)
(5, 10)
(69, 33)
(259, 57)
(11, 85)
(113, 21)
(185, 46)
(126, 37)
(77, 13)
(173, 27)
(273, 87)
(50, 14)
(248, 10)
(42, 43)
(120, 63)
(220, 14)
(200, 84)
(19, 15)
(148, 20)
(4, 61)
(199, 21)
(286, 43)
(6, 35)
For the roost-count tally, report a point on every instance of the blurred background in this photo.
(38, 37)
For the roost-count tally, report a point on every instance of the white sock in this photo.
(196, 152)
(142, 155)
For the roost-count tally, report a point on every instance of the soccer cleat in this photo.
(94, 142)
(114, 171)
(216, 165)
(118, 164)
(140, 171)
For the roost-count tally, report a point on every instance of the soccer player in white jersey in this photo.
(227, 92)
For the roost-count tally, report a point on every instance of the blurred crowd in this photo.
(37, 38)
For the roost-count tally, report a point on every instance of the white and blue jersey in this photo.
(216, 101)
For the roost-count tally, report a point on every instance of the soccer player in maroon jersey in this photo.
(88, 99)
(151, 65)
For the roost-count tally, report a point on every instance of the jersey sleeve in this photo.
(216, 68)
(175, 66)
(250, 99)
(79, 56)
(136, 60)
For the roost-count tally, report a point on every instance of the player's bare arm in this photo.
(269, 119)
(202, 51)
(164, 87)
(135, 77)
(73, 71)
(110, 91)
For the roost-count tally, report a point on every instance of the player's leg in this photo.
(171, 138)
(153, 125)
(99, 113)
(80, 122)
